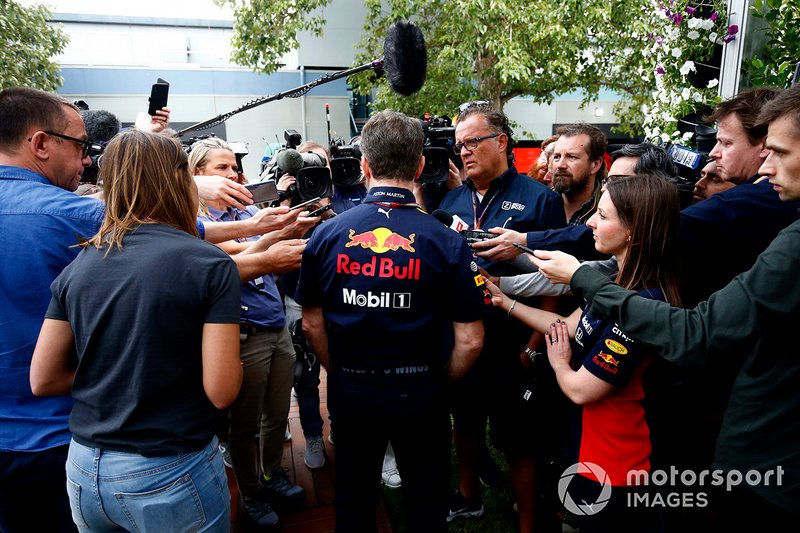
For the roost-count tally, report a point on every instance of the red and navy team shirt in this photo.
(612, 432)
(391, 280)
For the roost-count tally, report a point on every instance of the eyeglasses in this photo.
(472, 144)
(89, 146)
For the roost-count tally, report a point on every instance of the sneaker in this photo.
(226, 454)
(391, 478)
(261, 513)
(287, 435)
(460, 506)
(315, 453)
(281, 490)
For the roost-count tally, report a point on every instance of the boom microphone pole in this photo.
(404, 59)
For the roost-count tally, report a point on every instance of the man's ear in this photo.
(595, 165)
(365, 169)
(502, 141)
(39, 145)
(420, 167)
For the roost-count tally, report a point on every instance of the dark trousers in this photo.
(421, 442)
(33, 492)
(307, 389)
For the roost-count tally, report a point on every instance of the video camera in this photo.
(346, 163)
(440, 136)
(688, 161)
(312, 176)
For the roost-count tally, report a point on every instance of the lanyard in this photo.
(477, 220)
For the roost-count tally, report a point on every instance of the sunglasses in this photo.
(475, 103)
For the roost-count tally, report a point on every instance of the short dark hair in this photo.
(652, 159)
(747, 105)
(598, 143)
(23, 108)
(392, 143)
(786, 104)
(497, 122)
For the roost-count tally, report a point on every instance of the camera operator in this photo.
(496, 195)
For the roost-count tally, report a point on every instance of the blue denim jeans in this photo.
(119, 491)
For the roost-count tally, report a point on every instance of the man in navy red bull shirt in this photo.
(392, 304)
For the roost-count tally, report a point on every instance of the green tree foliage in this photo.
(498, 49)
(775, 64)
(265, 30)
(27, 45)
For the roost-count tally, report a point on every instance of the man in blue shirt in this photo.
(495, 195)
(43, 151)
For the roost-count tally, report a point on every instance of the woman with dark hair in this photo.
(597, 366)
(142, 330)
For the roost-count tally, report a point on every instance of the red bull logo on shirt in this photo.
(607, 362)
(381, 240)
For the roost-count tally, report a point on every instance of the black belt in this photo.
(245, 328)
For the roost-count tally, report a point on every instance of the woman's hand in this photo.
(498, 298)
(558, 267)
(559, 351)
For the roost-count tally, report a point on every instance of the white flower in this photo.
(687, 67)
(707, 24)
(645, 109)
(693, 34)
(713, 83)
(676, 52)
(686, 137)
(664, 137)
(539, 71)
(693, 23)
(685, 93)
(712, 37)
(697, 97)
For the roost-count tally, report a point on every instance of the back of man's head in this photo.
(23, 109)
(786, 104)
(101, 125)
(651, 159)
(746, 106)
(392, 143)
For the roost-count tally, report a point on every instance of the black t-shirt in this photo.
(138, 315)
